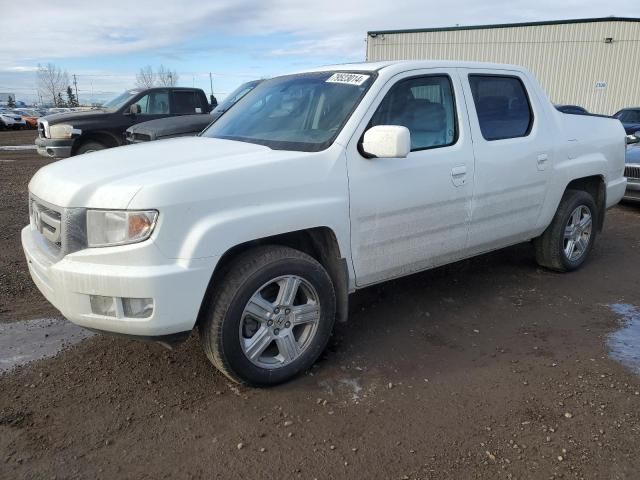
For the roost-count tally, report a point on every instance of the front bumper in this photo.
(177, 287)
(633, 189)
(50, 148)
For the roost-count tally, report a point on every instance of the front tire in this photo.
(90, 146)
(566, 243)
(270, 316)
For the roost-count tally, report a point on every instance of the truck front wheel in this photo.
(269, 317)
(566, 243)
(90, 146)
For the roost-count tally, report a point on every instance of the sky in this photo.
(105, 43)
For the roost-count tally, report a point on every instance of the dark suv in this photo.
(73, 133)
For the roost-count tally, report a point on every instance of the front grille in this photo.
(632, 171)
(47, 220)
(62, 230)
(141, 137)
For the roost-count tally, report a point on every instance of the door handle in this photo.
(458, 175)
(542, 161)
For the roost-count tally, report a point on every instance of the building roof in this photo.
(508, 25)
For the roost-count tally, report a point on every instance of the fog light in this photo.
(137, 307)
(103, 305)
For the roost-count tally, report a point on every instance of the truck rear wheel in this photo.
(269, 317)
(566, 243)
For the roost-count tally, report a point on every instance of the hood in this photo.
(164, 127)
(68, 117)
(111, 178)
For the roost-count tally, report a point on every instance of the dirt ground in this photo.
(490, 368)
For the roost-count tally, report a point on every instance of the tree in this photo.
(60, 101)
(146, 78)
(52, 80)
(167, 77)
(72, 101)
(11, 103)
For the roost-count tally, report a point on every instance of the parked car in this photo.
(186, 125)
(11, 120)
(67, 134)
(315, 185)
(53, 110)
(6, 121)
(573, 109)
(29, 116)
(632, 169)
(630, 118)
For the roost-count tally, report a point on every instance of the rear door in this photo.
(408, 214)
(186, 102)
(513, 148)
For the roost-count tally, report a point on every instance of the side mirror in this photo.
(632, 139)
(135, 109)
(387, 141)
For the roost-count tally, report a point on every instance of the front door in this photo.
(408, 214)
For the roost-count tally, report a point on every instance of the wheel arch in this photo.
(320, 243)
(106, 138)
(595, 186)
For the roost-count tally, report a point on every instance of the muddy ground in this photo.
(490, 368)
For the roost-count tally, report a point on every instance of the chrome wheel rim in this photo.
(577, 233)
(279, 322)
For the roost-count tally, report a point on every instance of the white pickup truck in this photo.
(315, 185)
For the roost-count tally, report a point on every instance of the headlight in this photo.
(119, 227)
(60, 131)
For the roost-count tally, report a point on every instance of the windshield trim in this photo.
(300, 146)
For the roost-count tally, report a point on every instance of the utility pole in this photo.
(75, 84)
(211, 82)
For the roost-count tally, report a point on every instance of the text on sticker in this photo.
(348, 78)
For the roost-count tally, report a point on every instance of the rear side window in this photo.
(186, 102)
(426, 106)
(502, 106)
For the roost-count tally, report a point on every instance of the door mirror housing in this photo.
(387, 141)
(634, 138)
(134, 109)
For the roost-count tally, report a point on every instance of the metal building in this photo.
(591, 62)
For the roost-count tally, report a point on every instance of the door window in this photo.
(502, 106)
(425, 105)
(154, 103)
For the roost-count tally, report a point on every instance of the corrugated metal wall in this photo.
(568, 59)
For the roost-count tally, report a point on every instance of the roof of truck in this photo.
(402, 65)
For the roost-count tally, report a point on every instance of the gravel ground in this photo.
(490, 368)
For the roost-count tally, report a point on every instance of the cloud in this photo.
(94, 28)
(307, 32)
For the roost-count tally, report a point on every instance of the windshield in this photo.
(297, 112)
(234, 96)
(120, 100)
(629, 116)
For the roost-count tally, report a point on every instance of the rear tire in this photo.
(269, 317)
(566, 243)
(90, 146)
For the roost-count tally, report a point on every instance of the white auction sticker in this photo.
(348, 78)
